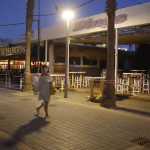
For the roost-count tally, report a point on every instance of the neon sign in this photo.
(12, 50)
(91, 23)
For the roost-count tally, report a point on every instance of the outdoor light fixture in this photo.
(67, 15)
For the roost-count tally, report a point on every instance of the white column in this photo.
(46, 52)
(116, 55)
(67, 62)
(81, 59)
(51, 57)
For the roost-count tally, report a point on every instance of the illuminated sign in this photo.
(91, 23)
(12, 50)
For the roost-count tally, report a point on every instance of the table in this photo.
(92, 79)
(58, 80)
(134, 81)
(56, 75)
(73, 77)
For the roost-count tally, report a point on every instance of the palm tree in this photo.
(108, 95)
(29, 21)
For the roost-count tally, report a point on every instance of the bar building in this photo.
(89, 35)
(88, 41)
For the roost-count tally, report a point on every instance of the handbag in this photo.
(52, 89)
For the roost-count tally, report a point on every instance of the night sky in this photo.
(14, 12)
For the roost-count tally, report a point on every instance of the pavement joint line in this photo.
(4, 137)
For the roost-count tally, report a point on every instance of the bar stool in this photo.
(57, 80)
(136, 86)
(125, 85)
(119, 86)
(7, 81)
(77, 82)
(62, 85)
(86, 82)
(21, 83)
(146, 86)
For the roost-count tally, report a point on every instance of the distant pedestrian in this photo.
(44, 90)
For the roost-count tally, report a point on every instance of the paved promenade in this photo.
(74, 123)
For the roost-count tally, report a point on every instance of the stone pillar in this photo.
(51, 57)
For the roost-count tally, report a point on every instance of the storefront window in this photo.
(60, 59)
(89, 61)
(3, 64)
(103, 64)
(74, 61)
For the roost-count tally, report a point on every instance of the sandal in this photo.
(47, 116)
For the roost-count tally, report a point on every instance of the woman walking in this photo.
(44, 90)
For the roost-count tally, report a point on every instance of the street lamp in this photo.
(38, 53)
(67, 15)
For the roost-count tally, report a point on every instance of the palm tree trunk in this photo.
(108, 96)
(29, 21)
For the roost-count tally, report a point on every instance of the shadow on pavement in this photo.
(139, 112)
(33, 126)
(125, 109)
(119, 97)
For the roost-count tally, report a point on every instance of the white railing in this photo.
(135, 83)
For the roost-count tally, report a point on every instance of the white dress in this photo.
(44, 87)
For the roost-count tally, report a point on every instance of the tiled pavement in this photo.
(74, 123)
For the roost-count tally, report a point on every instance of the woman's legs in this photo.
(46, 108)
(39, 107)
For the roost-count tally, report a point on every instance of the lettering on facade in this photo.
(12, 50)
(90, 23)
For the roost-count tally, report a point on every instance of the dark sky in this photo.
(14, 11)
